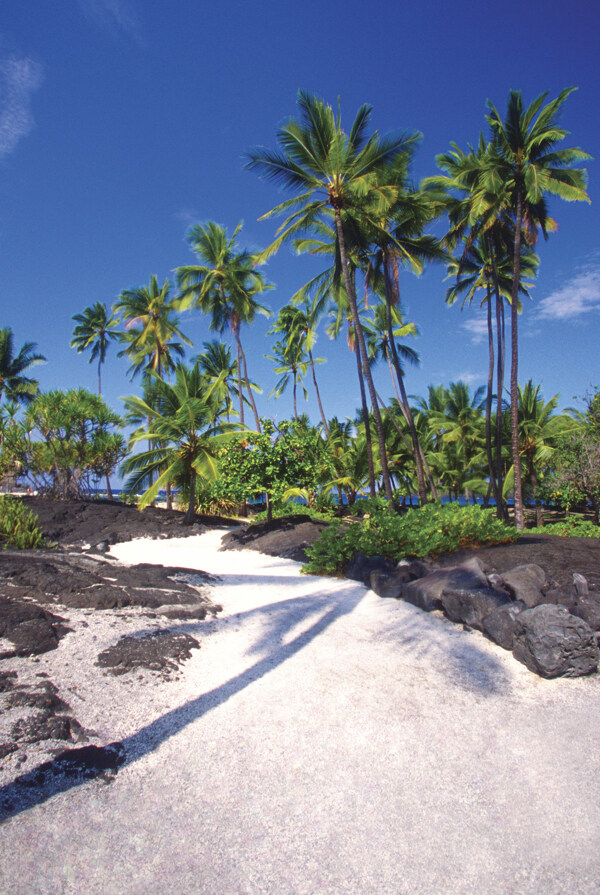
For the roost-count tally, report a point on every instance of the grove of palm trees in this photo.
(351, 202)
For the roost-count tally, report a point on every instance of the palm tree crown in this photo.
(13, 382)
(95, 329)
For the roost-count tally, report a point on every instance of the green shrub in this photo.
(282, 509)
(430, 531)
(573, 527)
(18, 526)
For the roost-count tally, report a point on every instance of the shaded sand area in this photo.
(321, 740)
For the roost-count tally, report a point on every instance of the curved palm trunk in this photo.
(407, 411)
(190, 513)
(366, 422)
(236, 332)
(295, 375)
(318, 394)
(488, 399)
(363, 352)
(514, 370)
(501, 511)
(109, 493)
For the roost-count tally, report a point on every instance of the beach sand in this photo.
(321, 740)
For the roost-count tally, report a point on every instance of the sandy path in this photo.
(326, 741)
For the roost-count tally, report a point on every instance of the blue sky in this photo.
(122, 123)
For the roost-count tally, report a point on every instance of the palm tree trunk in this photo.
(488, 400)
(190, 514)
(246, 379)
(366, 422)
(514, 370)
(294, 396)
(501, 511)
(407, 411)
(363, 352)
(318, 394)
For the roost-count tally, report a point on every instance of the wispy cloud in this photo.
(476, 326)
(187, 216)
(579, 296)
(19, 78)
(468, 378)
(118, 16)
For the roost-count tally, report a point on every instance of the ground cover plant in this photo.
(430, 531)
(571, 527)
(18, 526)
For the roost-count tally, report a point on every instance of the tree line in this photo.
(353, 202)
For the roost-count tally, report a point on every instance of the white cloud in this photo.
(468, 378)
(476, 326)
(580, 296)
(118, 15)
(19, 78)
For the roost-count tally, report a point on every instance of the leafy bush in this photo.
(429, 531)
(18, 526)
(281, 510)
(573, 527)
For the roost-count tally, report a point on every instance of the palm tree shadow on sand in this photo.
(77, 766)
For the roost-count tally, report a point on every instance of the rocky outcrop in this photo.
(161, 651)
(548, 628)
(553, 643)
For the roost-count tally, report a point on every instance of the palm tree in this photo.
(332, 171)
(460, 424)
(539, 430)
(481, 267)
(13, 382)
(300, 324)
(95, 329)
(225, 285)
(184, 434)
(529, 166)
(220, 370)
(292, 363)
(152, 333)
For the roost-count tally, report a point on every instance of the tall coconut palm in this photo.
(331, 170)
(291, 364)
(152, 335)
(14, 384)
(221, 371)
(483, 268)
(529, 166)
(95, 330)
(225, 285)
(299, 326)
(184, 433)
(540, 428)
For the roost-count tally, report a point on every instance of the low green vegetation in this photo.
(572, 527)
(18, 526)
(429, 531)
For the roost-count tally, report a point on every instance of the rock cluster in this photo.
(552, 631)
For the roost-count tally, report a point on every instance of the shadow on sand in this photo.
(467, 666)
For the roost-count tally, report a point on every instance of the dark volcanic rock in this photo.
(426, 593)
(47, 726)
(360, 567)
(500, 624)
(288, 537)
(160, 651)
(83, 581)
(470, 606)
(89, 761)
(526, 583)
(587, 607)
(30, 628)
(79, 522)
(553, 643)
(45, 698)
(388, 582)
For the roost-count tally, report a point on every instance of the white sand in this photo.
(322, 740)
